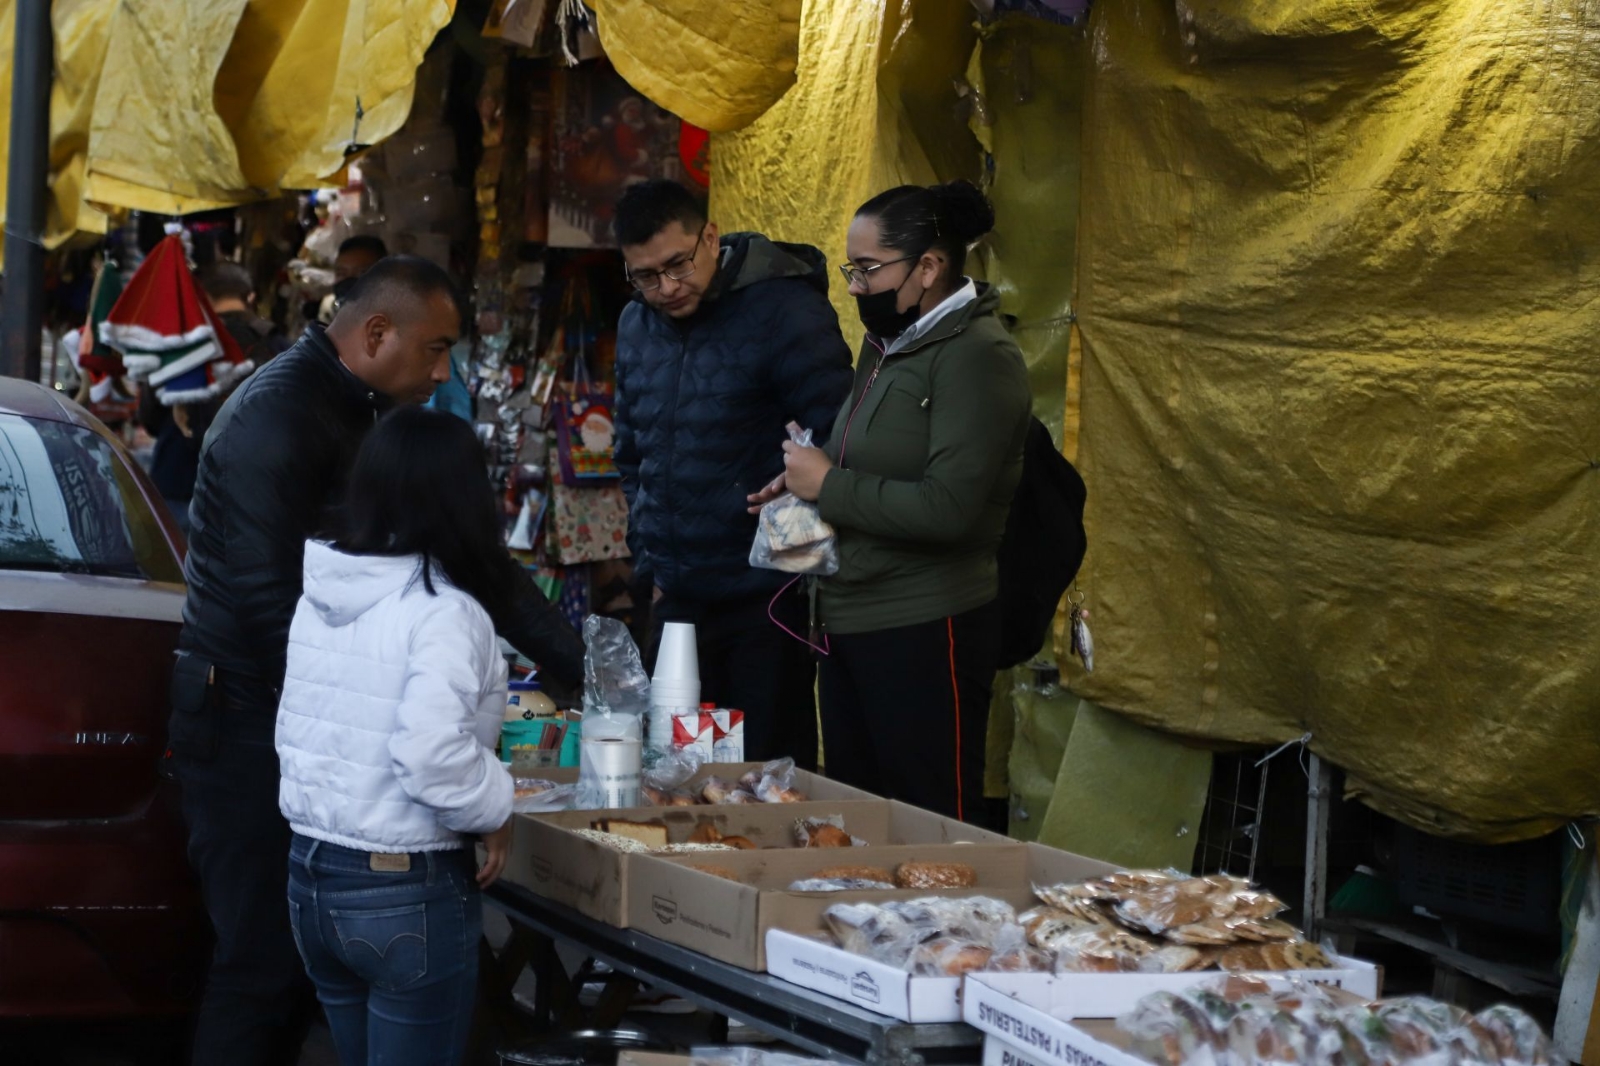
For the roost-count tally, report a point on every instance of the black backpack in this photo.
(1042, 548)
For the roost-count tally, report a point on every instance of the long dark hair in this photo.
(914, 219)
(419, 487)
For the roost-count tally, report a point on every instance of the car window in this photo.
(68, 504)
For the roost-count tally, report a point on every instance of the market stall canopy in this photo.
(720, 64)
(177, 107)
(1336, 280)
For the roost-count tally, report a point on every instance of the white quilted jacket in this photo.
(391, 705)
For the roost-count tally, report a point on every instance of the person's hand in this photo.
(769, 492)
(804, 469)
(498, 844)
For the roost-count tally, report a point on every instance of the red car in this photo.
(100, 916)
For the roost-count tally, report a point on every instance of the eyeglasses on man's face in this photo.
(679, 268)
(858, 275)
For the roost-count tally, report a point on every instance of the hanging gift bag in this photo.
(588, 522)
(585, 431)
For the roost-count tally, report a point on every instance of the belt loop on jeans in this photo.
(311, 853)
(432, 859)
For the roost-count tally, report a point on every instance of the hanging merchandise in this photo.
(169, 334)
(582, 414)
(95, 357)
(573, 602)
(606, 137)
(588, 523)
(694, 152)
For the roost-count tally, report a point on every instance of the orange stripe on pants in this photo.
(955, 691)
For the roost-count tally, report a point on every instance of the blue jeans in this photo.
(393, 955)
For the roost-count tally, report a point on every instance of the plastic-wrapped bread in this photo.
(949, 957)
(838, 884)
(926, 875)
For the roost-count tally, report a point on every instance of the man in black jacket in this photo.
(727, 341)
(272, 469)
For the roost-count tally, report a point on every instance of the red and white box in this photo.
(693, 731)
(727, 736)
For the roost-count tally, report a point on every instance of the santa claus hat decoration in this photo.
(168, 333)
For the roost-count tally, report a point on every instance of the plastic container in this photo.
(525, 701)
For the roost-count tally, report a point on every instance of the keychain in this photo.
(1082, 642)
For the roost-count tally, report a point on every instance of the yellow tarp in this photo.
(178, 107)
(874, 105)
(720, 64)
(1340, 416)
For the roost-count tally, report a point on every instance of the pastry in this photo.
(611, 840)
(860, 873)
(949, 957)
(771, 791)
(839, 884)
(650, 834)
(1280, 955)
(925, 875)
(705, 832)
(739, 795)
(715, 790)
(716, 871)
(690, 849)
(828, 836)
(742, 843)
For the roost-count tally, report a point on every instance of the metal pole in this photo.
(27, 189)
(1319, 804)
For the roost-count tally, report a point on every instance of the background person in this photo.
(728, 340)
(917, 480)
(274, 469)
(391, 705)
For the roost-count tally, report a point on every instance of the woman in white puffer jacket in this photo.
(394, 695)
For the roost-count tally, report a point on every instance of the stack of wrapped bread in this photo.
(1240, 1020)
(1131, 922)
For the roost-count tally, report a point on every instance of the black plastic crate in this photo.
(1513, 886)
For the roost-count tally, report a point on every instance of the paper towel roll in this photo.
(613, 764)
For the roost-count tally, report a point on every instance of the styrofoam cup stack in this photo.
(677, 659)
(675, 688)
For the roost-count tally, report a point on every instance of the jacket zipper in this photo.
(883, 357)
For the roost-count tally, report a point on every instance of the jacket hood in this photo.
(342, 588)
(752, 258)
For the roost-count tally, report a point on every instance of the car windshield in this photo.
(68, 504)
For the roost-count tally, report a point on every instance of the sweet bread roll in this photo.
(716, 871)
(705, 832)
(742, 843)
(828, 836)
(922, 875)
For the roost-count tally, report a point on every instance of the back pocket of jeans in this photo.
(387, 947)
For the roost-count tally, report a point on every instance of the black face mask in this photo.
(878, 314)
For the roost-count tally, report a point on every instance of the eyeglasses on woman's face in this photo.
(862, 276)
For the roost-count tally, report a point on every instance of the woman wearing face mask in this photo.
(917, 481)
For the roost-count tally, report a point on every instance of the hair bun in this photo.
(965, 209)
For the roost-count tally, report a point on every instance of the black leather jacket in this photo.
(272, 468)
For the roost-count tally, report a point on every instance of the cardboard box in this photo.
(547, 858)
(1000, 1003)
(731, 921)
(651, 1058)
(997, 1052)
(817, 964)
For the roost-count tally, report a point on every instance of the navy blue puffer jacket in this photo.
(701, 409)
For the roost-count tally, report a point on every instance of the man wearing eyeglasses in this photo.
(728, 339)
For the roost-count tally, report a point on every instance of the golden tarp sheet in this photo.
(874, 105)
(178, 107)
(1340, 415)
(720, 64)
